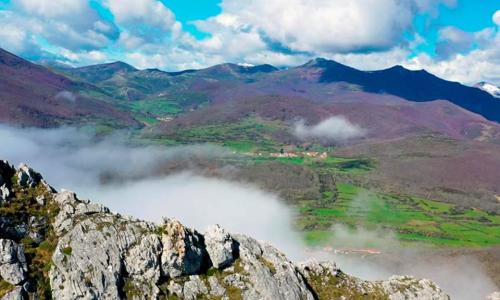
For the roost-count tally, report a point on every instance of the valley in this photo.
(346, 152)
(252, 112)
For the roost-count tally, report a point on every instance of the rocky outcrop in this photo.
(12, 262)
(6, 174)
(96, 254)
(183, 252)
(220, 246)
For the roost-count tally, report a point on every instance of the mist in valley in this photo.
(73, 159)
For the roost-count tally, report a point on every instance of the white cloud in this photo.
(63, 23)
(479, 64)
(373, 60)
(53, 8)
(144, 22)
(333, 129)
(365, 34)
(314, 26)
(151, 12)
(13, 38)
(496, 17)
(66, 96)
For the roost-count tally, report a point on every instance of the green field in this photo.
(410, 218)
(157, 107)
(249, 135)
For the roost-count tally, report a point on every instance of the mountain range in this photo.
(411, 120)
(394, 101)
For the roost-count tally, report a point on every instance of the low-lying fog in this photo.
(75, 160)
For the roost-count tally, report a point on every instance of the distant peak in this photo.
(116, 65)
(243, 68)
(400, 68)
(122, 65)
(265, 68)
(321, 62)
(315, 62)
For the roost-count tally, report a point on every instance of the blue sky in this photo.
(455, 39)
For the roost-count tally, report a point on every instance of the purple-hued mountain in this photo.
(419, 86)
(34, 95)
(98, 73)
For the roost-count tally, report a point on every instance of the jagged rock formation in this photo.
(53, 245)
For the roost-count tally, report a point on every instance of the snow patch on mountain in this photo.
(489, 88)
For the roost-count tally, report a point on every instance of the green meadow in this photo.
(412, 219)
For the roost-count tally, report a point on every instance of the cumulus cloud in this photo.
(332, 26)
(66, 96)
(466, 57)
(53, 8)
(69, 24)
(144, 21)
(453, 41)
(496, 17)
(333, 129)
(481, 64)
(150, 12)
(365, 34)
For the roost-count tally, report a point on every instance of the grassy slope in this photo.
(411, 218)
(250, 134)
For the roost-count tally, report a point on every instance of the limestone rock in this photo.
(98, 251)
(71, 208)
(4, 193)
(312, 267)
(328, 282)
(142, 264)
(16, 294)
(26, 177)
(220, 246)
(89, 259)
(194, 288)
(409, 288)
(184, 251)
(270, 274)
(13, 266)
(216, 288)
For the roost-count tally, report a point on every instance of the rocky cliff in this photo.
(54, 245)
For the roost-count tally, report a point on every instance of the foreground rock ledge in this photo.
(55, 245)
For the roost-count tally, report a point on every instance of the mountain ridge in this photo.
(34, 95)
(412, 85)
(79, 249)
